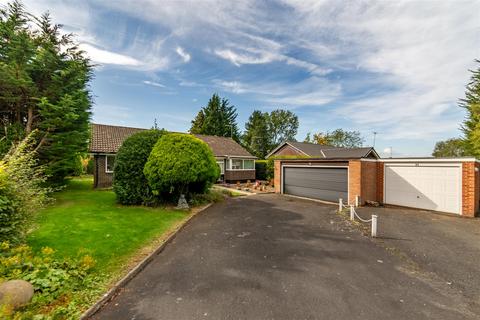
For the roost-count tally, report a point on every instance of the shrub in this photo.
(89, 166)
(129, 182)
(180, 163)
(261, 169)
(22, 190)
(54, 281)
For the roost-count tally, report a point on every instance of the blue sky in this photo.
(394, 67)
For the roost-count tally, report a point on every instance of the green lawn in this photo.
(87, 221)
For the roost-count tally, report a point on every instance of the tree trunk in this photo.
(28, 128)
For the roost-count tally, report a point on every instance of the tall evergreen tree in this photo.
(218, 118)
(471, 125)
(44, 86)
(257, 138)
(197, 123)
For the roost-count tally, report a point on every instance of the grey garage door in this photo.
(328, 184)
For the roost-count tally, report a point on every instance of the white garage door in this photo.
(424, 186)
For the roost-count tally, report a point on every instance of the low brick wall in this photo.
(239, 175)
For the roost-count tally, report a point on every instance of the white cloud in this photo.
(183, 54)
(396, 66)
(251, 56)
(107, 57)
(154, 84)
(313, 91)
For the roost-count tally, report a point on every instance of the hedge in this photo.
(129, 182)
(261, 169)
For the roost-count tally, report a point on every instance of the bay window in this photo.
(242, 164)
(248, 164)
(237, 164)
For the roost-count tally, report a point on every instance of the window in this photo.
(248, 164)
(221, 164)
(109, 163)
(241, 164)
(237, 164)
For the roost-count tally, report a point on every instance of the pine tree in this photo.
(218, 118)
(471, 125)
(43, 87)
(197, 123)
(257, 137)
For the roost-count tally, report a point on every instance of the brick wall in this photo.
(239, 175)
(354, 180)
(380, 181)
(101, 179)
(369, 181)
(276, 175)
(477, 187)
(288, 151)
(469, 186)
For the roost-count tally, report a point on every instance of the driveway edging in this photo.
(138, 268)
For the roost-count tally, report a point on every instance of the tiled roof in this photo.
(108, 139)
(311, 149)
(347, 153)
(224, 146)
(328, 152)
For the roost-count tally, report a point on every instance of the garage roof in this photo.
(328, 152)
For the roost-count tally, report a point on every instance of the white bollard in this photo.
(357, 200)
(340, 205)
(352, 213)
(374, 226)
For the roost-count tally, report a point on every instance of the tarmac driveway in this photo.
(446, 247)
(275, 257)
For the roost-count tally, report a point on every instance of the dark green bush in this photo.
(180, 163)
(129, 182)
(261, 169)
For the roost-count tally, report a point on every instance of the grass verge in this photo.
(83, 221)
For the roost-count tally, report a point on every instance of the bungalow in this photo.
(236, 163)
(313, 171)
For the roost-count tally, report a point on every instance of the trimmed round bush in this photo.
(180, 164)
(129, 182)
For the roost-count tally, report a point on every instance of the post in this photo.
(352, 213)
(374, 226)
(340, 205)
(357, 200)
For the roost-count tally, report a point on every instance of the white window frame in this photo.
(230, 164)
(106, 162)
(221, 164)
